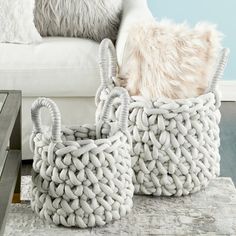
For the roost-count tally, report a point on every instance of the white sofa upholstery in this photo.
(134, 12)
(55, 67)
(64, 69)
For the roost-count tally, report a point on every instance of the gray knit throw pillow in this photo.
(93, 19)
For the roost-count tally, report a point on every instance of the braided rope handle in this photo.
(107, 65)
(55, 115)
(123, 118)
(220, 68)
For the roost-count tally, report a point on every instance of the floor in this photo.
(228, 143)
(211, 211)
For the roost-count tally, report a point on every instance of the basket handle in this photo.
(55, 115)
(107, 65)
(221, 65)
(123, 118)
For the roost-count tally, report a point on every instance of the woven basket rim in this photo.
(172, 106)
(83, 142)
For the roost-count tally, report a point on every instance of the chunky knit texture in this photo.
(175, 142)
(82, 176)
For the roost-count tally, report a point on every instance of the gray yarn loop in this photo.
(85, 178)
(123, 121)
(223, 58)
(175, 143)
(108, 65)
(54, 112)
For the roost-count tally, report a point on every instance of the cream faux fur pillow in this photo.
(93, 19)
(164, 59)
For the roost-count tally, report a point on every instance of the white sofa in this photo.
(64, 69)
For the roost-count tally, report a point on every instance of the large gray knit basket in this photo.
(175, 142)
(82, 176)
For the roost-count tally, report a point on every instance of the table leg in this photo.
(17, 192)
(15, 144)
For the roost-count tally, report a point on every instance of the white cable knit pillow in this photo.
(17, 22)
(93, 19)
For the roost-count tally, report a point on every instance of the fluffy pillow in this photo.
(17, 22)
(93, 19)
(164, 59)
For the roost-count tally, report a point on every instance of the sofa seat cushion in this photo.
(59, 67)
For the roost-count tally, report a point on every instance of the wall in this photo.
(218, 12)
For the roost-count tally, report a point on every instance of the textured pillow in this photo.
(93, 19)
(165, 59)
(17, 22)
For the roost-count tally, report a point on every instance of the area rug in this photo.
(209, 212)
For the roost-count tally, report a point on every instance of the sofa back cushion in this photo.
(134, 12)
(93, 19)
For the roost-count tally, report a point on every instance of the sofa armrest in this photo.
(134, 11)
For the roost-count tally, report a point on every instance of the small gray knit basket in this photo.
(175, 142)
(82, 176)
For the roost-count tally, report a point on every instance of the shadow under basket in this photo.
(82, 176)
(175, 143)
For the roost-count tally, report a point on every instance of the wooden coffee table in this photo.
(10, 151)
